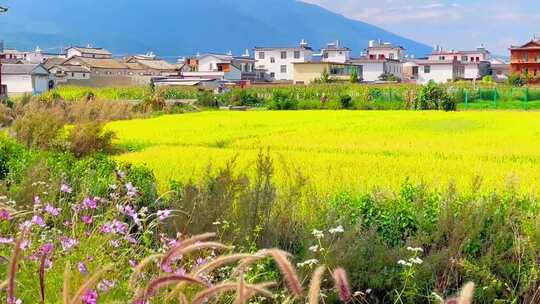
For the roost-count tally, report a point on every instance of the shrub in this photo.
(354, 76)
(488, 79)
(88, 138)
(434, 97)
(282, 101)
(39, 127)
(389, 77)
(206, 98)
(6, 116)
(346, 101)
(516, 80)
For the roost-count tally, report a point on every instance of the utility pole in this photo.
(2, 91)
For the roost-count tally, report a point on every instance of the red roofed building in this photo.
(525, 59)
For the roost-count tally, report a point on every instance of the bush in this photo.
(434, 97)
(206, 98)
(488, 79)
(389, 77)
(282, 101)
(39, 127)
(354, 76)
(88, 138)
(345, 101)
(6, 116)
(516, 80)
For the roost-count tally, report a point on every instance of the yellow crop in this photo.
(345, 149)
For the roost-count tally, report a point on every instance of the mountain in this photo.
(183, 27)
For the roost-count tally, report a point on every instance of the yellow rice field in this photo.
(344, 149)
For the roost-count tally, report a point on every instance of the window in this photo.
(296, 54)
(261, 55)
(283, 55)
(72, 74)
(427, 69)
(272, 60)
(464, 58)
(83, 75)
(272, 74)
(442, 58)
(283, 69)
(391, 56)
(261, 67)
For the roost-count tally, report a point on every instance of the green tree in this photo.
(354, 76)
(434, 97)
(325, 77)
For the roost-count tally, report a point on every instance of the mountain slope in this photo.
(183, 27)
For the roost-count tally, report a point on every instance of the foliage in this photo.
(389, 77)
(488, 79)
(346, 101)
(282, 101)
(516, 80)
(206, 98)
(354, 78)
(39, 127)
(89, 138)
(434, 97)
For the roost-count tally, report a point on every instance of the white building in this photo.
(476, 62)
(88, 52)
(25, 78)
(222, 67)
(39, 56)
(334, 52)
(372, 69)
(278, 61)
(440, 71)
(378, 50)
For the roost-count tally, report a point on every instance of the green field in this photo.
(340, 150)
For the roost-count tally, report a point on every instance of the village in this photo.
(37, 71)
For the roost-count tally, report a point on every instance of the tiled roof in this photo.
(21, 69)
(102, 63)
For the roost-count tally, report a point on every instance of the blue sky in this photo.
(457, 24)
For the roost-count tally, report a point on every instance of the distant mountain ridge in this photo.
(184, 27)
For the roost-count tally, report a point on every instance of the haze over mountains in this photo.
(183, 27)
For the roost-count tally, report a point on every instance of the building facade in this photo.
(525, 59)
(25, 78)
(308, 72)
(439, 71)
(278, 62)
(378, 50)
(335, 52)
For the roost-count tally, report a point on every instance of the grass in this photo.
(344, 150)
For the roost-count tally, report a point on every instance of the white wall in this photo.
(18, 84)
(41, 84)
(439, 73)
(336, 56)
(372, 70)
(305, 55)
(472, 71)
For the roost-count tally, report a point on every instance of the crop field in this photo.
(344, 150)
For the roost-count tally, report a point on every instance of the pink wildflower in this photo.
(5, 215)
(90, 297)
(68, 243)
(88, 220)
(82, 268)
(163, 214)
(65, 188)
(51, 210)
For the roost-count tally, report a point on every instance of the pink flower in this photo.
(166, 268)
(25, 244)
(5, 215)
(37, 200)
(133, 263)
(107, 228)
(68, 243)
(65, 188)
(46, 248)
(163, 214)
(120, 227)
(128, 211)
(105, 285)
(38, 220)
(131, 190)
(82, 268)
(6, 240)
(90, 297)
(51, 210)
(88, 220)
(90, 203)
(131, 239)
(114, 243)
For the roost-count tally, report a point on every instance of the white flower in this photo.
(217, 223)
(368, 291)
(318, 234)
(415, 249)
(308, 263)
(416, 260)
(314, 248)
(404, 263)
(338, 229)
